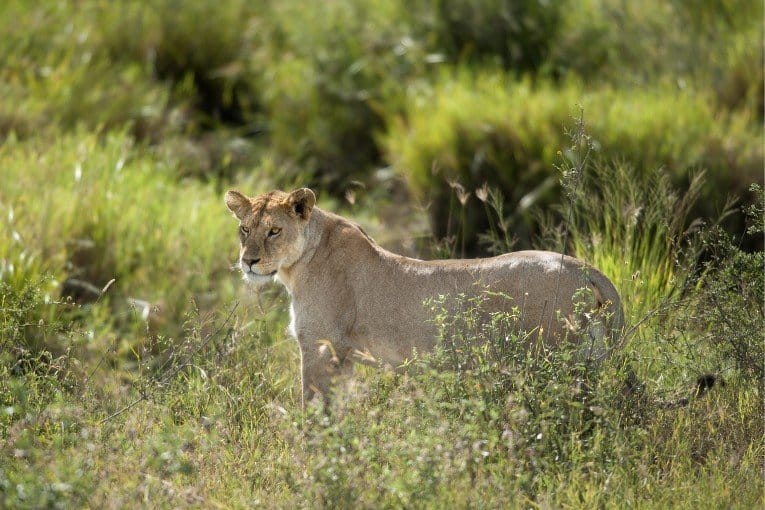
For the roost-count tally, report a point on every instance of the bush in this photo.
(333, 69)
(515, 35)
(729, 310)
(479, 128)
(697, 44)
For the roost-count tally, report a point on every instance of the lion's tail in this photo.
(704, 383)
(609, 306)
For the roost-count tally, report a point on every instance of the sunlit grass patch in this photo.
(92, 210)
(476, 127)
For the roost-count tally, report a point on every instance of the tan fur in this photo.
(354, 301)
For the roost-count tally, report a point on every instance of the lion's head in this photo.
(272, 230)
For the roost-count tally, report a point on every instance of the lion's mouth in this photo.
(254, 273)
(254, 277)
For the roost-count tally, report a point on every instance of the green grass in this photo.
(137, 369)
(488, 127)
(210, 416)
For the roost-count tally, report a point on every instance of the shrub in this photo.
(515, 35)
(729, 312)
(333, 69)
(697, 44)
(689, 289)
(741, 82)
(32, 321)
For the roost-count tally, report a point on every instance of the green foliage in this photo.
(730, 307)
(515, 35)
(33, 385)
(634, 227)
(92, 210)
(313, 85)
(50, 57)
(481, 128)
(163, 79)
(335, 68)
(340, 66)
(710, 44)
(204, 47)
(519, 426)
(495, 412)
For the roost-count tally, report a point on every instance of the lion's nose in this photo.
(248, 263)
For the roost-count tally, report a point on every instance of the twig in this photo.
(579, 138)
(175, 370)
(103, 357)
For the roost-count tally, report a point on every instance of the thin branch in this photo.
(172, 373)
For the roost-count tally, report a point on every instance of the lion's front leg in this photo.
(322, 362)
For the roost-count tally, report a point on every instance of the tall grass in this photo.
(485, 127)
(636, 229)
(688, 44)
(214, 418)
(83, 211)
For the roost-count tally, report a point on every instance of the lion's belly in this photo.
(392, 337)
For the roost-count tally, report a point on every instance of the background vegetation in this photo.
(137, 370)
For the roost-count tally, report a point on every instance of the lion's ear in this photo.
(237, 203)
(301, 202)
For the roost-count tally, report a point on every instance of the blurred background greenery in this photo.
(341, 95)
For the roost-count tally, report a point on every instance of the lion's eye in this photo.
(244, 230)
(274, 232)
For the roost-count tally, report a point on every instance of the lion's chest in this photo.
(292, 327)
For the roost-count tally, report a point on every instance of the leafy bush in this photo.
(333, 69)
(730, 309)
(697, 44)
(515, 35)
(478, 128)
(33, 382)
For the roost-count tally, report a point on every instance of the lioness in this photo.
(351, 296)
